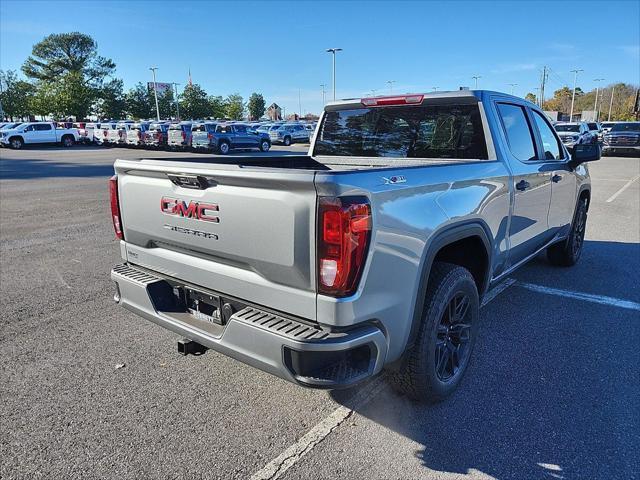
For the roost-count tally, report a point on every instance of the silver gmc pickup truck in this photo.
(373, 251)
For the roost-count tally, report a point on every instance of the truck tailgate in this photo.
(249, 233)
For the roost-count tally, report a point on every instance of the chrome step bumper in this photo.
(294, 350)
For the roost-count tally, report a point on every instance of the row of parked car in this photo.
(615, 137)
(214, 136)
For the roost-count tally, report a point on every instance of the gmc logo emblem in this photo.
(195, 210)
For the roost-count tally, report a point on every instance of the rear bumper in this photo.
(294, 350)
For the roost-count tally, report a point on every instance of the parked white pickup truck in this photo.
(38, 133)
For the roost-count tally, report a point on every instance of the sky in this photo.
(279, 48)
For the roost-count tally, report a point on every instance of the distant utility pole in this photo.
(334, 51)
(595, 105)
(537, 89)
(613, 89)
(391, 82)
(476, 77)
(543, 83)
(513, 85)
(175, 86)
(155, 91)
(573, 97)
(323, 93)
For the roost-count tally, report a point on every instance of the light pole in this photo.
(513, 85)
(155, 91)
(538, 101)
(299, 105)
(391, 82)
(373, 92)
(435, 89)
(573, 97)
(595, 105)
(334, 51)
(175, 86)
(323, 93)
(476, 77)
(613, 89)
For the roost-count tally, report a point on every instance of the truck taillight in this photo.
(115, 207)
(210, 136)
(394, 100)
(184, 136)
(344, 231)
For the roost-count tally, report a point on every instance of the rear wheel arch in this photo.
(442, 248)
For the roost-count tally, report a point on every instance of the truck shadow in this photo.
(551, 391)
(32, 168)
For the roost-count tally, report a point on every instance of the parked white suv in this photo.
(38, 133)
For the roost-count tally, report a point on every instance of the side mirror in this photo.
(587, 152)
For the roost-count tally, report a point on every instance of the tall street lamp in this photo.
(513, 85)
(323, 93)
(391, 82)
(155, 91)
(573, 96)
(476, 77)
(334, 51)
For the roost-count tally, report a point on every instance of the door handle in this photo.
(522, 185)
(556, 178)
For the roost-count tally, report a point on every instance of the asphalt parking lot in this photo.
(91, 391)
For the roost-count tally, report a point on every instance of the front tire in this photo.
(567, 253)
(287, 141)
(223, 148)
(435, 364)
(16, 143)
(265, 146)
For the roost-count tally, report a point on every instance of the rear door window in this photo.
(518, 131)
(425, 131)
(42, 126)
(550, 144)
(240, 129)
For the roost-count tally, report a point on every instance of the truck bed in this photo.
(306, 162)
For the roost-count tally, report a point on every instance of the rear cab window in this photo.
(416, 131)
(517, 130)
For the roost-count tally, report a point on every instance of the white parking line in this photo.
(601, 299)
(624, 187)
(283, 462)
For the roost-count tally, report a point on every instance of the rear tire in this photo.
(435, 364)
(68, 141)
(567, 253)
(287, 141)
(265, 146)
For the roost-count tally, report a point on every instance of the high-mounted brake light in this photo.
(344, 231)
(116, 218)
(395, 100)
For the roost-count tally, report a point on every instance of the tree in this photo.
(531, 98)
(138, 103)
(256, 106)
(194, 103)
(15, 94)
(561, 101)
(111, 100)
(167, 104)
(234, 107)
(60, 54)
(72, 97)
(217, 108)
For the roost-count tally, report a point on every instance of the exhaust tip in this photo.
(116, 295)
